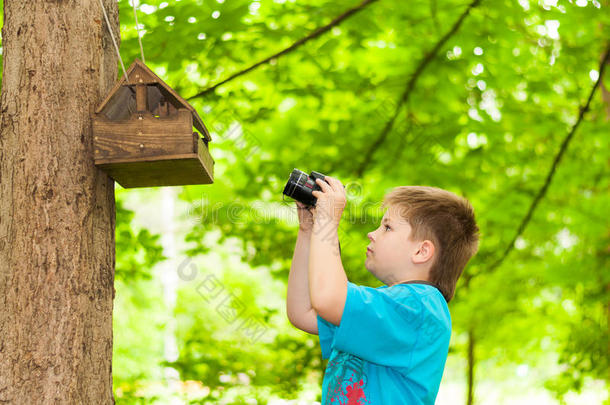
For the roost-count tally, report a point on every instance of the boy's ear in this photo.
(424, 253)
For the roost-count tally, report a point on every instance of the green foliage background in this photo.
(397, 93)
(484, 116)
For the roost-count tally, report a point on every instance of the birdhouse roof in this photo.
(139, 73)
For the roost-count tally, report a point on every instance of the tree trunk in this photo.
(604, 90)
(56, 209)
(471, 362)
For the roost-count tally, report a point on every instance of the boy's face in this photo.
(391, 253)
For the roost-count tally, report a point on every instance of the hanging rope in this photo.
(135, 16)
(114, 41)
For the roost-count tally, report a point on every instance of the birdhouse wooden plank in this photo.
(143, 134)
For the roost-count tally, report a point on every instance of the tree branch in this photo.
(564, 145)
(410, 86)
(314, 34)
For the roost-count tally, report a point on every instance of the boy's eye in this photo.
(387, 227)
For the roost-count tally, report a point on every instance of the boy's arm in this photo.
(298, 305)
(328, 281)
(327, 278)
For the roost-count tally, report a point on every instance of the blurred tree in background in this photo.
(503, 102)
(481, 98)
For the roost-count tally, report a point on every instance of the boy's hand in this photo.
(305, 217)
(331, 202)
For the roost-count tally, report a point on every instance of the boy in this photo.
(385, 345)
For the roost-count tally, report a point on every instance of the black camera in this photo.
(300, 186)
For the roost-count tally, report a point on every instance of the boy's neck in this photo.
(410, 279)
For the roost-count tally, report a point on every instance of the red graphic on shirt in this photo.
(345, 381)
(354, 394)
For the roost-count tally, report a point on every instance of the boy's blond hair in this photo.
(445, 219)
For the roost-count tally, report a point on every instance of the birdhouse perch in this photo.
(143, 134)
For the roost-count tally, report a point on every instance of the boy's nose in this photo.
(370, 235)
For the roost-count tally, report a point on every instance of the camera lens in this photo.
(300, 186)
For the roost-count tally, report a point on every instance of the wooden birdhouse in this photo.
(143, 134)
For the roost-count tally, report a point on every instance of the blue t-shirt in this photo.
(390, 347)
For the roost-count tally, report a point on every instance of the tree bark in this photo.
(605, 96)
(57, 212)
